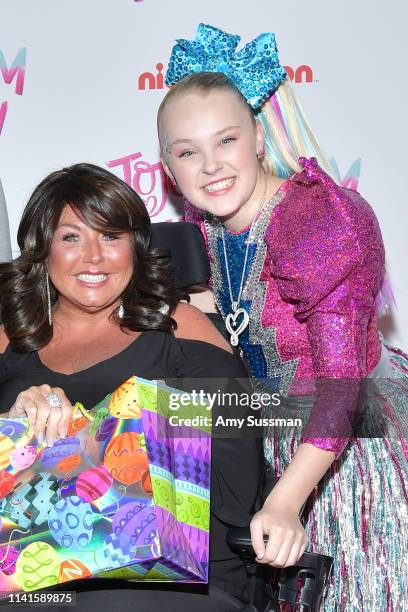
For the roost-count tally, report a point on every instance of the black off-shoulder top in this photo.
(237, 462)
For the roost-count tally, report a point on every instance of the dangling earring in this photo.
(47, 285)
(121, 310)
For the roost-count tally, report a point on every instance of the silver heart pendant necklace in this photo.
(231, 323)
(237, 320)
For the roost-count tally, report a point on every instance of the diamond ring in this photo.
(53, 400)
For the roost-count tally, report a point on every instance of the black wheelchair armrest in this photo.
(300, 584)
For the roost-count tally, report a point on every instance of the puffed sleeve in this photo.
(237, 455)
(327, 258)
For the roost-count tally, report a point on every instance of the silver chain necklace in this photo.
(234, 327)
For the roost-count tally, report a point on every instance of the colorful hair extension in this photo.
(288, 135)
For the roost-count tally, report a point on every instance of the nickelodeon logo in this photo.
(155, 80)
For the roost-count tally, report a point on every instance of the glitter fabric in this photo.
(311, 289)
(358, 512)
(254, 69)
(315, 270)
(327, 262)
(267, 365)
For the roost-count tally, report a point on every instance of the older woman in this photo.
(87, 304)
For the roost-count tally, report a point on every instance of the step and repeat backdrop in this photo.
(81, 80)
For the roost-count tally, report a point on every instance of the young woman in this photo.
(297, 264)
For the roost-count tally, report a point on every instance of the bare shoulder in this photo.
(192, 324)
(3, 340)
(203, 299)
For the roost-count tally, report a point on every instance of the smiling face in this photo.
(210, 143)
(89, 268)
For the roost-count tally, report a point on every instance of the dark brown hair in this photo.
(105, 203)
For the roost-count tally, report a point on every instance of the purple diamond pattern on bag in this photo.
(192, 470)
(159, 453)
(175, 546)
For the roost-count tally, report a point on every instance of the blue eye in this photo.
(110, 237)
(227, 140)
(70, 237)
(186, 154)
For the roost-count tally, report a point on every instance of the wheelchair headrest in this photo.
(187, 249)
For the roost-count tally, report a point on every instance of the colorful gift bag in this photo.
(126, 494)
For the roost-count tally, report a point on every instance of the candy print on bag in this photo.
(102, 501)
(8, 558)
(29, 504)
(37, 566)
(125, 402)
(22, 458)
(121, 458)
(72, 569)
(60, 450)
(71, 523)
(7, 482)
(93, 483)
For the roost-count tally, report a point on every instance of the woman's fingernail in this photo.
(40, 437)
(259, 554)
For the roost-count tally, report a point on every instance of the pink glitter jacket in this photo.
(324, 267)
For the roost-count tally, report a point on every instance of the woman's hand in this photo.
(287, 538)
(45, 420)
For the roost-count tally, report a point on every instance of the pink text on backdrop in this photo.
(352, 176)
(17, 70)
(3, 113)
(148, 180)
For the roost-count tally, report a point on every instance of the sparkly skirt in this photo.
(358, 512)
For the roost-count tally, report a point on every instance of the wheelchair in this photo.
(302, 585)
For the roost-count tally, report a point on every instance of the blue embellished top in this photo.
(235, 244)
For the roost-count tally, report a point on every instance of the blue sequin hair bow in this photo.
(255, 69)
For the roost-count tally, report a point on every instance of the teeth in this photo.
(92, 278)
(220, 185)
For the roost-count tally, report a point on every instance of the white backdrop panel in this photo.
(74, 94)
